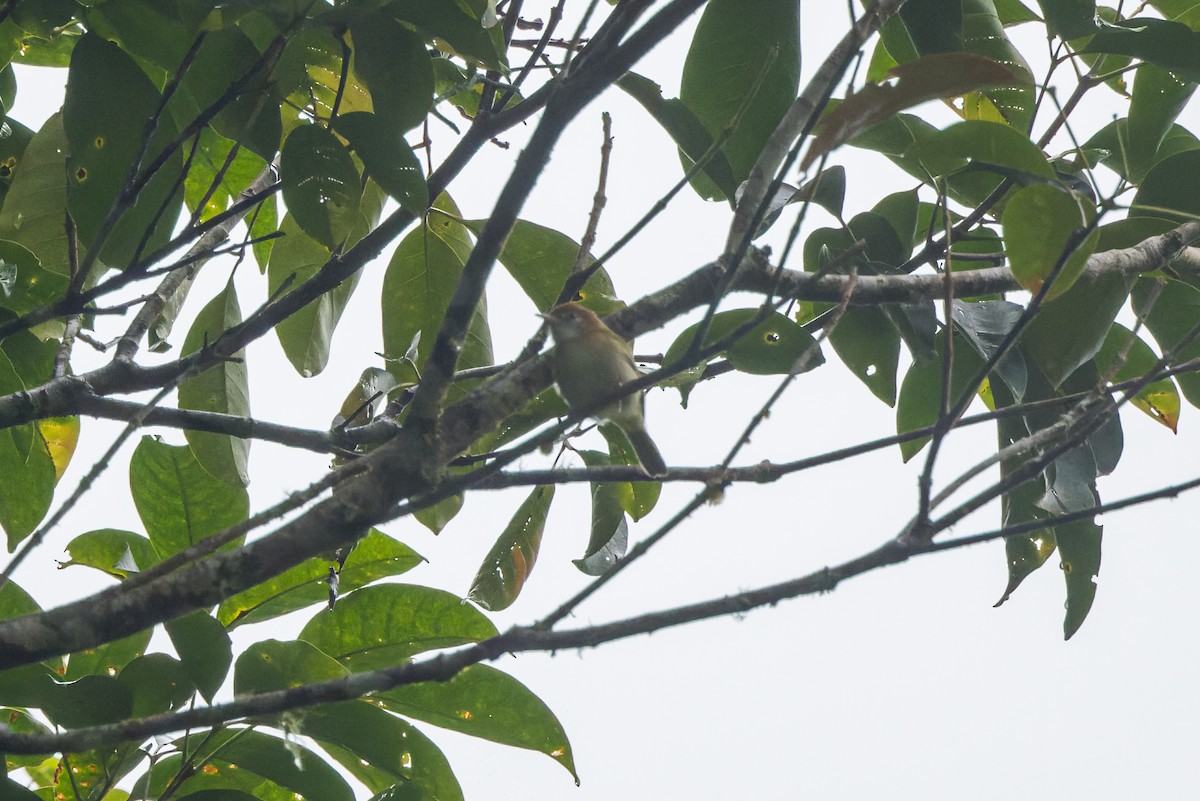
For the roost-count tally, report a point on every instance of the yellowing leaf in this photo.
(61, 435)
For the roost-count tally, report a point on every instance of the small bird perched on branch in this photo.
(590, 361)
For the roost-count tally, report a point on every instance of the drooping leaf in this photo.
(682, 125)
(204, 650)
(1172, 319)
(510, 561)
(867, 343)
(321, 185)
(484, 702)
(1158, 98)
(386, 158)
(609, 535)
(178, 501)
(106, 140)
(392, 61)
(369, 741)
(731, 53)
(638, 498)
(919, 403)
(1126, 357)
(223, 388)
(1079, 549)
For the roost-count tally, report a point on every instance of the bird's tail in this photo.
(647, 452)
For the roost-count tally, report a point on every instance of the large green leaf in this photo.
(321, 185)
(106, 140)
(684, 128)
(1042, 226)
(1079, 549)
(983, 143)
(731, 53)
(1173, 317)
(1168, 190)
(609, 534)
(392, 61)
(157, 683)
(919, 403)
(457, 26)
(285, 763)
(178, 501)
(223, 388)
(1158, 98)
(386, 158)
(484, 702)
(107, 659)
(384, 624)
(374, 557)
(1126, 357)
(417, 288)
(540, 260)
(1068, 331)
(113, 551)
(867, 343)
(272, 665)
(510, 561)
(204, 649)
(1171, 45)
(379, 748)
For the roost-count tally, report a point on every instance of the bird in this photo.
(590, 362)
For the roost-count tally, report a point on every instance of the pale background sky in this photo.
(901, 684)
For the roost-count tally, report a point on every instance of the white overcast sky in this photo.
(905, 683)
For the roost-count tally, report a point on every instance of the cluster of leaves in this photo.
(216, 96)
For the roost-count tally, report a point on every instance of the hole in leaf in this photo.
(771, 337)
(81, 175)
(100, 142)
(871, 370)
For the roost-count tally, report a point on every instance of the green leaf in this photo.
(1079, 549)
(386, 158)
(178, 501)
(1158, 98)
(684, 128)
(157, 683)
(392, 61)
(436, 517)
(90, 701)
(105, 141)
(321, 185)
(374, 557)
(984, 143)
(772, 347)
(113, 551)
(1069, 331)
(540, 260)
(731, 52)
(1070, 19)
(987, 324)
(287, 764)
(638, 498)
(204, 649)
(919, 403)
(933, 27)
(28, 485)
(417, 288)
(384, 624)
(1126, 357)
(1027, 552)
(609, 535)
(936, 76)
(1171, 45)
(484, 702)
(273, 665)
(1172, 319)
(35, 208)
(1168, 191)
(213, 157)
(984, 35)
(264, 220)
(867, 343)
(107, 659)
(223, 388)
(387, 745)
(1040, 224)
(456, 27)
(510, 560)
